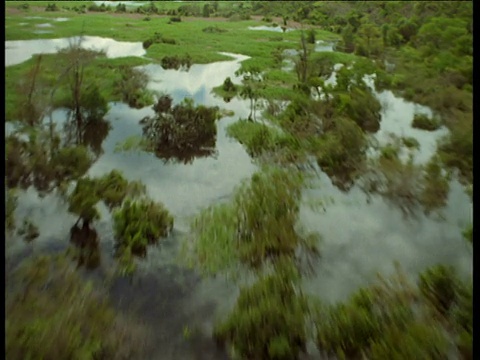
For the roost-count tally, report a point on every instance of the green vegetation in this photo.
(268, 319)
(411, 142)
(421, 50)
(132, 87)
(393, 318)
(10, 206)
(406, 184)
(424, 122)
(181, 132)
(258, 227)
(53, 313)
(111, 188)
(40, 162)
(139, 223)
(266, 142)
(28, 230)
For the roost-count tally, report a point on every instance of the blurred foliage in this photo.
(268, 319)
(51, 313)
(259, 226)
(392, 319)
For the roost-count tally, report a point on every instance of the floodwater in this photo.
(321, 45)
(278, 29)
(170, 298)
(116, 3)
(397, 115)
(18, 51)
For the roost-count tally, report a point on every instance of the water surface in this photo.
(18, 51)
(278, 29)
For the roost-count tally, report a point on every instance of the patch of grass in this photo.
(263, 140)
(410, 142)
(51, 312)
(424, 122)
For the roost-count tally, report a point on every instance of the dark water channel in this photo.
(361, 235)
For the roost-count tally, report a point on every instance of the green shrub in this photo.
(139, 223)
(410, 142)
(268, 321)
(53, 314)
(181, 132)
(51, 7)
(438, 285)
(424, 122)
(213, 30)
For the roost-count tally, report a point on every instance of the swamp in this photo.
(238, 180)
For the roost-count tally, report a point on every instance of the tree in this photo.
(33, 107)
(301, 64)
(86, 102)
(181, 132)
(252, 86)
(206, 10)
(368, 39)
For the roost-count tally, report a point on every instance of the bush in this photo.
(268, 321)
(228, 85)
(213, 30)
(51, 7)
(175, 19)
(182, 132)
(439, 286)
(140, 223)
(424, 122)
(410, 142)
(52, 313)
(176, 62)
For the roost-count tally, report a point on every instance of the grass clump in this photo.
(213, 30)
(410, 142)
(262, 140)
(268, 321)
(393, 318)
(257, 228)
(424, 122)
(139, 223)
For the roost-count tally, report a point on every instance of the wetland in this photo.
(186, 181)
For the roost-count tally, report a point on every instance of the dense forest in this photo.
(232, 179)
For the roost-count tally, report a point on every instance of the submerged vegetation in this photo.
(304, 107)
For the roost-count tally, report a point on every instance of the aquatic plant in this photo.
(268, 321)
(139, 223)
